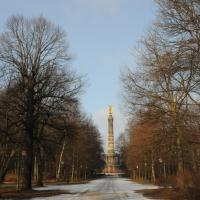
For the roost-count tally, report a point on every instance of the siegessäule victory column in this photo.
(111, 158)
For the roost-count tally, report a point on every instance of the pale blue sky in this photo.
(101, 34)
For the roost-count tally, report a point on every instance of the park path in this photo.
(109, 188)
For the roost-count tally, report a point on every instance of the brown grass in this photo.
(11, 193)
(163, 193)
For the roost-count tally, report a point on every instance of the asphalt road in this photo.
(110, 188)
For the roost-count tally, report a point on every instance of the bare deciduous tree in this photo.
(34, 57)
(167, 81)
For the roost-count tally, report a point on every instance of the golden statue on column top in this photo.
(110, 110)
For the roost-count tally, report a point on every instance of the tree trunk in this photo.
(153, 177)
(40, 168)
(28, 169)
(180, 159)
(28, 161)
(73, 163)
(30, 124)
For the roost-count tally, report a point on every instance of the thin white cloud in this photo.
(101, 120)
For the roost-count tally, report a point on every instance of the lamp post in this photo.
(137, 172)
(86, 172)
(164, 167)
(23, 158)
(62, 168)
(160, 166)
(18, 170)
(80, 171)
(145, 171)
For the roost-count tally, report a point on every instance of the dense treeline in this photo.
(163, 99)
(43, 133)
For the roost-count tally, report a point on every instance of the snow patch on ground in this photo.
(110, 188)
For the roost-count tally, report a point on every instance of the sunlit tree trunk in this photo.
(58, 173)
(73, 165)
